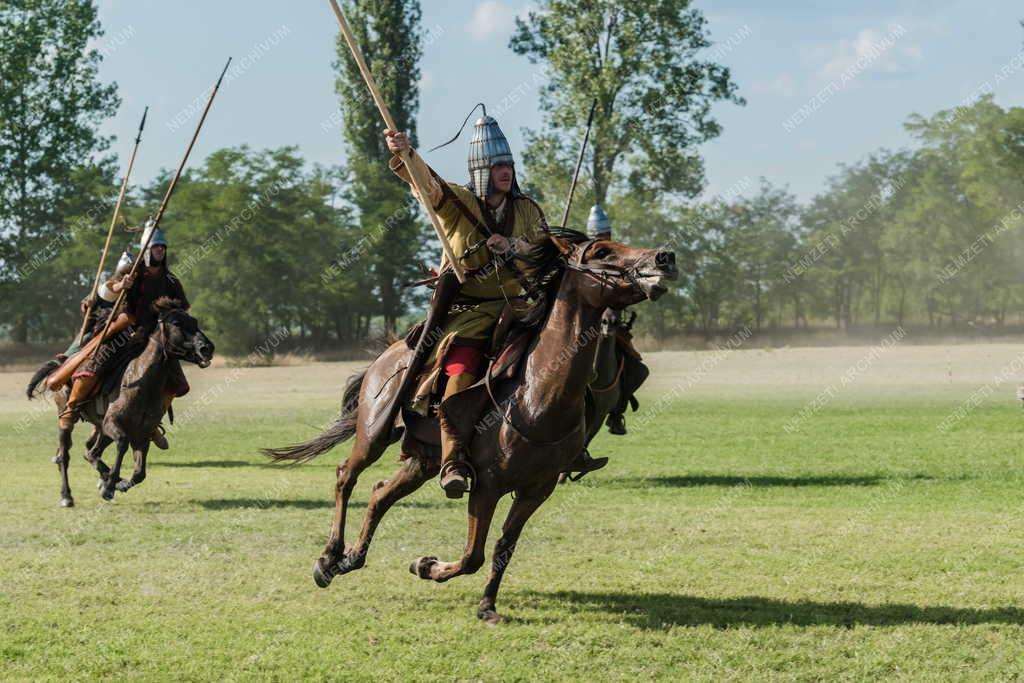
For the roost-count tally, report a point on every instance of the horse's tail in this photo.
(42, 373)
(343, 428)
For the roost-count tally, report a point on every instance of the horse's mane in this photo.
(542, 258)
(166, 304)
(542, 264)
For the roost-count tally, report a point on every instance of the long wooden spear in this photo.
(579, 163)
(148, 233)
(113, 222)
(65, 371)
(419, 182)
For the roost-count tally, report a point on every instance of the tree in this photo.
(50, 110)
(641, 62)
(252, 237)
(388, 31)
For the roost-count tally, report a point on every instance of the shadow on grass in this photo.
(210, 463)
(662, 610)
(696, 480)
(297, 503)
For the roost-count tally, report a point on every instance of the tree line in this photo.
(269, 246)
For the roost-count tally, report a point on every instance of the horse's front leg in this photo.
(108, 484)
(481, 510)
(94, 455)
(139, 452)
(520, 512)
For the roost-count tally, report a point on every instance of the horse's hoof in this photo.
(107, 494)
(67, 502)
(55, 460)
(123, 485)
(490, 617)
(421, 566)
(321, 577)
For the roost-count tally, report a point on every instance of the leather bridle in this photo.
(607, 274)
(169, 350)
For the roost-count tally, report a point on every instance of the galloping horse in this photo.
(535, 429)
(135, 405)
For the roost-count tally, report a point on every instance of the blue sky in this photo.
(826, 82)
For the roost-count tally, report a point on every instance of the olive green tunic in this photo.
(490, 288)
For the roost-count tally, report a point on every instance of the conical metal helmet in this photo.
(124, 264)
(488, 148)
(148, 242)
(598, 224)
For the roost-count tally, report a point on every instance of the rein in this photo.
(507, 419)
(605, 274)
(615, 382)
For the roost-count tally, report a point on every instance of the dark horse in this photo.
(135, 405)
(535, 428)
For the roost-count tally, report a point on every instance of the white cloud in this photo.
(887, 51)
(783, 86)
(490, 18)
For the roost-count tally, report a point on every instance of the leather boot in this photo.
(584, 464)
(81, 388)
(454, 475)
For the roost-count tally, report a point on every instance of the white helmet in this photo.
(104, 291)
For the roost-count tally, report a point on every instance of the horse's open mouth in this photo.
(652, 287)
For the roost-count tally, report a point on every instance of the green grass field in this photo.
(718, 544)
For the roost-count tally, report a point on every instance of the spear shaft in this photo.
(579, 163)
(148, 234)
(419, 183)
(113, 222)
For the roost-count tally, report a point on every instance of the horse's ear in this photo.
(563, 246)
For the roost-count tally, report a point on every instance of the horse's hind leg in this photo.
(521, 511)
(481, 510)
(362, 456)
(63, 458)
(409, 477)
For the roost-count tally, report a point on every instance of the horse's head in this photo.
(613, 274)
(179, 334)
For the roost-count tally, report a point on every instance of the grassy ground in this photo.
(801, 514)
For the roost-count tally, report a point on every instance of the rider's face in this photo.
(501, 177)
(158, 253)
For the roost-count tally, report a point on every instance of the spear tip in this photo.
(223, 72)
(142, 123)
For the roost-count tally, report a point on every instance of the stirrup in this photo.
(464, 469)
(583, 465)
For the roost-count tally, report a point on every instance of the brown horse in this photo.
(534, 429)
(136, 404)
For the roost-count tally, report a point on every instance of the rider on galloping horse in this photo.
(490, 207)
(143, 289)
(634, 372)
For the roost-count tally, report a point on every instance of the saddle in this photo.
(461, 413)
